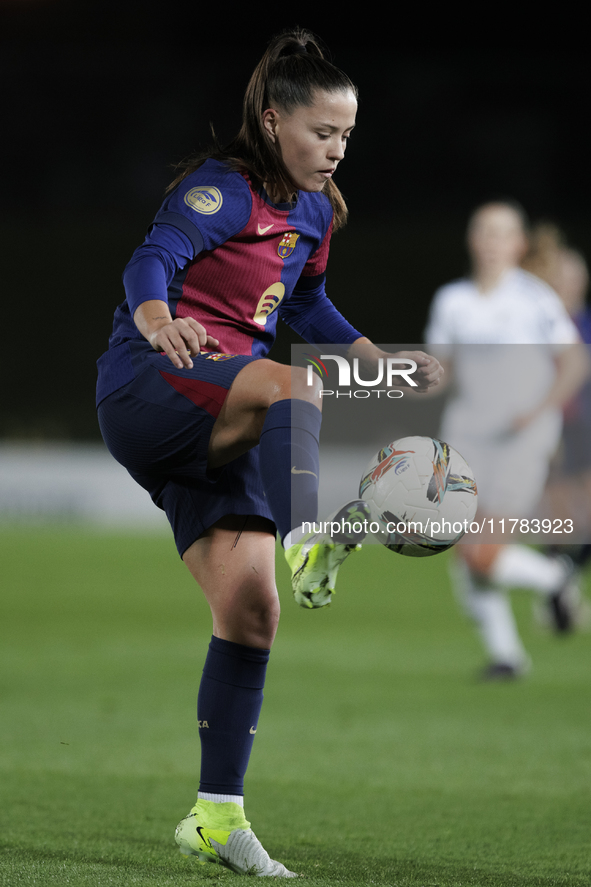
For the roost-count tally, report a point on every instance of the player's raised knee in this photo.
(297, 383)
(276, 381)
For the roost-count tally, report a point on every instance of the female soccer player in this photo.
(225, 440)
(505, 421)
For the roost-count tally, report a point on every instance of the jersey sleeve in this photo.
(313, 316)
(206, 209)
(154, 264)
(214, 203)
(560, 330)
(439, 330)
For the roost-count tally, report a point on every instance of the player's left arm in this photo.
(311, 314)
(573, 368)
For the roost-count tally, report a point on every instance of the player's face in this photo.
(496, 239)
(313, 138)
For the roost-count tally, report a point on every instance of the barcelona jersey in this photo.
(220, 252)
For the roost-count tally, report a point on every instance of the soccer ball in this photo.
(422, 495)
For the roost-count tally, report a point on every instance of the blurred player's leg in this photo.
(551, 578)
(489, 608)
(517, 566)
(483, 575)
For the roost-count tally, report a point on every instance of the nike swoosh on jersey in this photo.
(262, 230)
(252, 730)
(295, 470)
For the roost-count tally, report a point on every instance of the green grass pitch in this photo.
(379, 759)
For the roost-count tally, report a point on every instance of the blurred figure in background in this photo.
(565, 270)
(505, 419)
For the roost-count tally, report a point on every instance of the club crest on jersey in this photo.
(205, 200)
(268, 302)
(287, 244)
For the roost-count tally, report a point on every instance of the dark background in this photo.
(99, 101)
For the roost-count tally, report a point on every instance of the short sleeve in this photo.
(439, 330)
(559, 327)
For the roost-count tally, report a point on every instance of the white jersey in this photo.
(521, 310)
(503, 346)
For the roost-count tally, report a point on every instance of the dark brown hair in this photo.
(287, 76)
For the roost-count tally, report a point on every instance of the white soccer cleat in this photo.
(225, 842)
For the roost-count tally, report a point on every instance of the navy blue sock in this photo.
(228, 708)
(289, 462)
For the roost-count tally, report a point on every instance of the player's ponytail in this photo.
(287, 77)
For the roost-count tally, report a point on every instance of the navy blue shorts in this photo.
(158, 427)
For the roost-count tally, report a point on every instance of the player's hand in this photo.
(521, 422)
(181, 338)
(427, 375)
(429, 370)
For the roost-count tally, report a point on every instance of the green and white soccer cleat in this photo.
(315, 561)
(219, 833)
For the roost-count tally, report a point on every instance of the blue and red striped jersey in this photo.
(219, 251)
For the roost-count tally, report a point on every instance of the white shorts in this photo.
(511, 469)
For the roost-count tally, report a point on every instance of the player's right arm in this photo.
(179, 233)
(178, 339)
(146, 280)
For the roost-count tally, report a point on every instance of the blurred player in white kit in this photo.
(505, 420)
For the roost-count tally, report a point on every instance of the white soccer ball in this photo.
(422, 495)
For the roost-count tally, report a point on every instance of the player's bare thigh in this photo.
(234, 563)
(480, 553)
(258, 385)
(480, 556)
